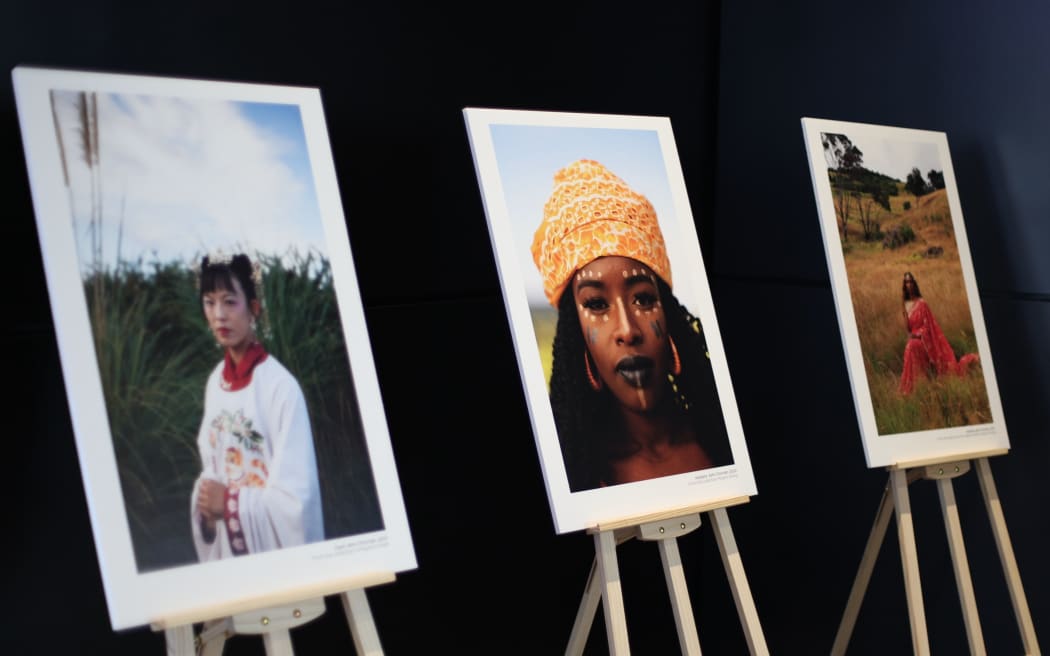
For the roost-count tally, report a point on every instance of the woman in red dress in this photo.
(927, 349)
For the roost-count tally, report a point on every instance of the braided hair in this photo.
(587, 420)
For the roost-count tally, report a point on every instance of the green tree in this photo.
(869, 215)
(916, 184)
(844, 159)
(936, 179)
(841, 154)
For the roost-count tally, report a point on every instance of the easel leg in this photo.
(581, 628)
(867, 565)
(1006, 556)
(676, 588)
(213, 637)
(278, 643)
(745, 605)
(910, 563)
(362, 626)
(612, 593)
(179, 640)
(953, 527)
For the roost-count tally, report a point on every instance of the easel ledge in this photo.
(628, 522)
(292, 596)
(942, 460)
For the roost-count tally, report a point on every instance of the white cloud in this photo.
(189, 175)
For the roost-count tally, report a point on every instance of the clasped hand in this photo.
(211, 496)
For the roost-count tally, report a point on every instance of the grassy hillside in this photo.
(875, 272)
(545, 322)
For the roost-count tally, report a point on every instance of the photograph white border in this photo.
(574, 511)
(884, 450)
(135, 599)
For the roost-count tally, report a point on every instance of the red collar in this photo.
(237, 376)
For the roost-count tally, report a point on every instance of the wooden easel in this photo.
(603, 584)
(274, 621)
(895, 496)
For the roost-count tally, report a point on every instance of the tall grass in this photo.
(154, 354)
(153, 358)
(303, 330)
(942, 402)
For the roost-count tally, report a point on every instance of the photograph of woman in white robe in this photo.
(212, 338)
(258, 489)
(167, 233)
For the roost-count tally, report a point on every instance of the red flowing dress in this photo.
(928, 349)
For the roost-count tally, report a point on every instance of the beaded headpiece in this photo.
(592, 213)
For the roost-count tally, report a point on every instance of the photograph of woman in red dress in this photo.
(920, 364)
(892, 213)
(927, 350)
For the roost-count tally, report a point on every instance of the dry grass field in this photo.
(875, 274)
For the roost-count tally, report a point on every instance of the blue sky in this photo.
(183, 176)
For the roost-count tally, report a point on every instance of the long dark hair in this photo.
(587, 420)
(904, 287)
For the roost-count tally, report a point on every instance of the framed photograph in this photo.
(907, 302)
(621, 361)
(220, 380)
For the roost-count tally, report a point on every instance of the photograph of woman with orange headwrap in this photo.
(618, 346)
(631, 385)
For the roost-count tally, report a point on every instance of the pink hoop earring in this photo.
(677, 361)
(596, 384)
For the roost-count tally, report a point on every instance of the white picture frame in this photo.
(516, 154)
(179, 167)
(918, 229)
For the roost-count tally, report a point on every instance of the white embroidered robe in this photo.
(257, 441)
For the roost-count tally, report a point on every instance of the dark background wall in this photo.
(734, 78)
(977, 72)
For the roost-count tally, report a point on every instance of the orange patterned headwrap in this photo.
(592, 213)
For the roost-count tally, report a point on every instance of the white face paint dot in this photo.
(625, 273)
(605, 317)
